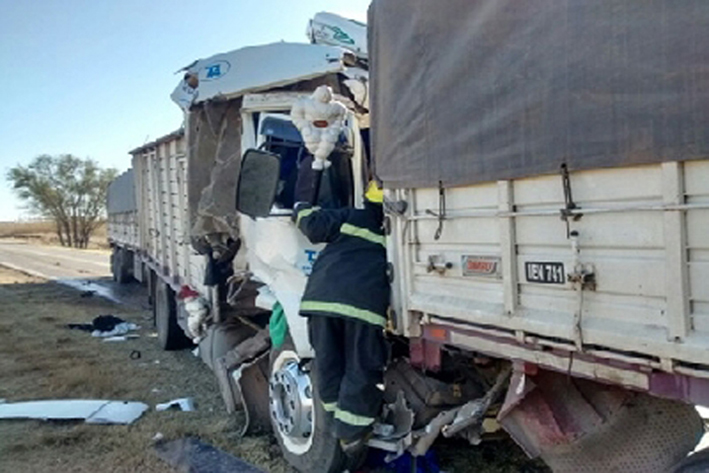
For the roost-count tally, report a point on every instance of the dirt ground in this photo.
(42, 359)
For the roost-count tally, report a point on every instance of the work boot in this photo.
(356, 447)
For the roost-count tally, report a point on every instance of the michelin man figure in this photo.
(320, 120)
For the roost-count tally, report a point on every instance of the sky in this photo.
(93, 78)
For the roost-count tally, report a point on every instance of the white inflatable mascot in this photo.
(320, 120)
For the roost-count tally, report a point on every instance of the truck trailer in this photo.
(546, 196)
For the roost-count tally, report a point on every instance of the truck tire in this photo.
(290, 384)
(121, 260)
(114, 258)
(170, 335)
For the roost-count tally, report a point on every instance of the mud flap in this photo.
(242, 375)
(582, 426)
(252, 382)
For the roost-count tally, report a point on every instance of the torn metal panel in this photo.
(334, 30)
(398, 416)
(252, 381)
(185, 404)
(582, 426)
(254, 68)
(428, 435)
(426, 396)
(91, 411)
(243, 380)
(472, 414)
(214, 160)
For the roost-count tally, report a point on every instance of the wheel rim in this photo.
(291, 403)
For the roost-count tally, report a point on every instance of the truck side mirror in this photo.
(258, 183)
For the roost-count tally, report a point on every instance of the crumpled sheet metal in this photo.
(580, 426)
(214, 160)
(243, 379)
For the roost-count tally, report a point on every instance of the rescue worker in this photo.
(346, 301)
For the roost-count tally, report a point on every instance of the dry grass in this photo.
(41, 359)
(43, 232)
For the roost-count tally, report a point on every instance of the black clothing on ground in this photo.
(102, 323)
(349, 366)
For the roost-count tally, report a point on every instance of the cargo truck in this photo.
(547, 204)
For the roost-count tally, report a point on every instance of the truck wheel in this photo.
(120, 261)
(298, 419)
(170, 335)
(114, 259)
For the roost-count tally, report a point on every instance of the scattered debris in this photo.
(122, 338)
(86, 294)
(195, 352)
(194, 456)
(185, 404)
(118, 338)
(105, 326)
(158, 437)
(91, 411)
(135, 355)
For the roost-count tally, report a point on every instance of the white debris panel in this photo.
(91, 411)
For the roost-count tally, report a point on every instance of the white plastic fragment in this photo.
(119, 338)
(92, 411)
(158, 437)
(118, 412)
(185, 404)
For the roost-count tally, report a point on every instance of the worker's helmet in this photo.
(374, 193)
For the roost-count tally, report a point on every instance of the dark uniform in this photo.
(346, 301)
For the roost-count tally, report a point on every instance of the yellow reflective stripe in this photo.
(358, 232)
(329, 406)
(304, 213)
(353, 419)
(344, 309)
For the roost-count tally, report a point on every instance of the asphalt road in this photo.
(53, 262)
(85, 270)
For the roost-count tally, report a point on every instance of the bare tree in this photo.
(69, 190)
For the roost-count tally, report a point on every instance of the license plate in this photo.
(545, 273)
